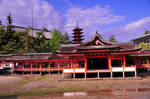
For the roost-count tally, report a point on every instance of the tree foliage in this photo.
(12, 41)
(144, 45)
(57, 39)
(112, 39)
(146, 32)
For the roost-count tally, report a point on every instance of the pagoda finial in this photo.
(77, 24)
(96, 32)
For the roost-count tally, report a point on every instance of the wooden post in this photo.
(111, 75)
(68, 64)
(31, 66)
(97, 74)
(124, 65)
(22, 66)
(135, 74)
(40, 68)
(49, 66)
(58, 65)
(109, 65)
(147, 62)
(74, 76)
(71, 63)
(123, 74)
(14, 65)
(62, 75)
(85, 75)
(85, 62)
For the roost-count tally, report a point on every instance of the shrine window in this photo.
(45, 64)
(81, 64)
(34, 65)
(19, 65)
(116, 63)
(64, 64)
(144, 61)
(27, 65)
(52, 64)
(130, 62)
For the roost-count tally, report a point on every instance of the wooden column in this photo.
(85, 63)
(74, 75)
(97, 74)
(110, 67)
(135, 73)
(49, 67)
(40, 67)
(23, 69)
(58, 65)
(22, 66)
(71, 63)
(148, 63)
(68, 64)
(124, 65)
(14, 65)
(31, 67)
(85, 75)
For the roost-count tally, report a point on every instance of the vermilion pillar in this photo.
(109, 64)
(124, 65)
(49, 66)
(85, 62)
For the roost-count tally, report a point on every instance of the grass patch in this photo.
(41, 92)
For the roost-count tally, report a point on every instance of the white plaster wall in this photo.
(129, 69)
(68, 70)
(79, 70)
(117, 69)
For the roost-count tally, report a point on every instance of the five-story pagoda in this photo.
(77, 35)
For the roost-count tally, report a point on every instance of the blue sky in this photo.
(126, 19)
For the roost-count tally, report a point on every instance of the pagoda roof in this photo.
(78, 36)
(77, 33)
(77, 29)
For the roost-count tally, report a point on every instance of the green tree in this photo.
(144, 45)
(56, 40)
(65, 39)
(112, 39)
(8, 41)
(41, 42)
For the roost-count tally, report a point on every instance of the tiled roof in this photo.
(89, 45)
(32, 56)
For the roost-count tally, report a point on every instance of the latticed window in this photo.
(81, 64)
(34, 65)
(52, 64)
(44, 64)
(27, 65)
(144, 61)
(116, 63)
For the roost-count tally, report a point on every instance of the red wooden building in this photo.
(99, 56)
(96, 56)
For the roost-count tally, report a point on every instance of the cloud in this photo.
(44, 15)
(129, 31)
(90, 18)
